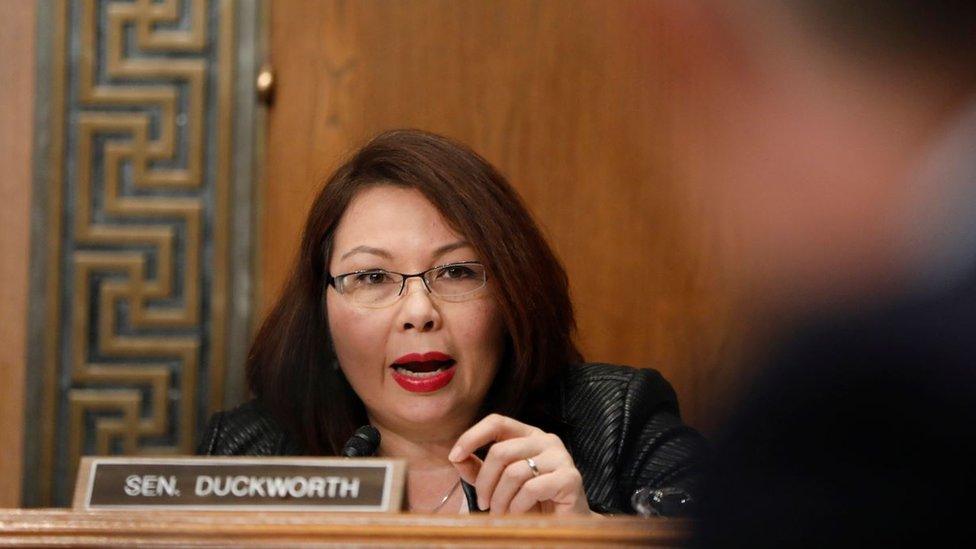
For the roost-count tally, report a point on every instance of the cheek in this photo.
(482, 332)
(358, 336)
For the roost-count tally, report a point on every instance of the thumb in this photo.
(468, 468)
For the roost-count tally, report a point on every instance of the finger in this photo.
(516, 473)
(500, 455)
(469, 468)
(563, 487)
(492, 428)
(511, 480)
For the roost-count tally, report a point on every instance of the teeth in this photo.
(406, 372)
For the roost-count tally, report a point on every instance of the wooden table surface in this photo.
(52, 527)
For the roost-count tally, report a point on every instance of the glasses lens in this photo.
(456, 280)
(372, 287)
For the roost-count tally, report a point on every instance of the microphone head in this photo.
(362, 443)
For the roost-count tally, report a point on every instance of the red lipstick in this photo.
(423, 372)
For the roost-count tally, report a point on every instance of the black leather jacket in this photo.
(620, 424)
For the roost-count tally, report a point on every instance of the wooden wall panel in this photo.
(568, 102)
(16, 109)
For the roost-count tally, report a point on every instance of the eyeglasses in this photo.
(379, 288)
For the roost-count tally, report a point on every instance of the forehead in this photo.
(398, 219)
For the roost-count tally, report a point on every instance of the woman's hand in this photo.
(505, 481)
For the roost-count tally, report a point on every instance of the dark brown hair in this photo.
(291, 365)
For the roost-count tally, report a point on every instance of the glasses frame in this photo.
(332, 281)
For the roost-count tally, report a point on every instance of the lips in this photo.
(423, 372)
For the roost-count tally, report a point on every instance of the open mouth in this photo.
(427, 368)
(423, 373)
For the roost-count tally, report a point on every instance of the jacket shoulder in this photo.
(248, 430)
(609, 386)
(623, 430)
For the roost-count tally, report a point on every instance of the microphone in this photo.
(663, 502)
(362, 443)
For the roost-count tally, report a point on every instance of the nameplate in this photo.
(240, 483)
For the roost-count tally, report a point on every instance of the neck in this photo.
(430, 475)
(425, 452)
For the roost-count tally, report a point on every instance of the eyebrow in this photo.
(387, 255)
(451, 247)
(367, 250)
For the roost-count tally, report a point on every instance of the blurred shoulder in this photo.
(248, 429)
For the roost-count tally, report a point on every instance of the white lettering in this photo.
(239, 489)
(256, 487)
(149, 485)
(277, 487)
(221, 489)
(349, 489)
(316, 487)
(204, 485)
(167, 486)
(132, 485)
(294, 489)
(244, 486)
(333, 483)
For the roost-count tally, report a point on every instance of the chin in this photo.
(429, 410)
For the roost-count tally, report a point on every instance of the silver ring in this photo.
(535, 470)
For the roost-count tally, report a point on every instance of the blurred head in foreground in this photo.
(821, 123)
(839, 143)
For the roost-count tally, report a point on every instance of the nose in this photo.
(417, 310)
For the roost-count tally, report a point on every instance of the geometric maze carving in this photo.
(143, 209)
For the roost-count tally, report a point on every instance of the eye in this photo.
(372, 278)
(456, 272)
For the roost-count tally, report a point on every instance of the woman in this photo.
(426, 303)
